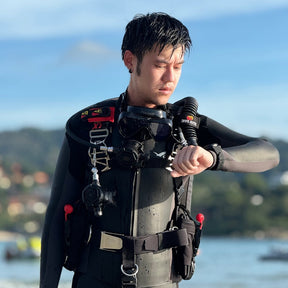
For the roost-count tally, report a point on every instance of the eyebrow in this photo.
(167, 62)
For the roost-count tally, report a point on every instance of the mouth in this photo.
(166, 90)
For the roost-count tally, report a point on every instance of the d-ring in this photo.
(130, 274)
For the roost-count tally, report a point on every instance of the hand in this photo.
(191, 160)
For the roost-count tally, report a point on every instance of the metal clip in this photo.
(133, 274)
(102, 160)
(98, 136)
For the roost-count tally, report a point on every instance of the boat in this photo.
(23, 249)
(276, 254)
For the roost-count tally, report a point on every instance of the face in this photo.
(157, 76)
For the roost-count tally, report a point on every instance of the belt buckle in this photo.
(111, 241)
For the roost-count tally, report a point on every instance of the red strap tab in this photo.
(99, 114)
(68, 209)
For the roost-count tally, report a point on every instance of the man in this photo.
(119, 214)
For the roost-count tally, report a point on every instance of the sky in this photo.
(57, 57)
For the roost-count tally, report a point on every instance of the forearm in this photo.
(51, 250)
(255, 156)
(66, 189)
(236, 152)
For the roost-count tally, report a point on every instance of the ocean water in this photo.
(222, 263)
(235, 263)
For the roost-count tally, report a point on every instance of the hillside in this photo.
(38, 149)
(33, 149)
(233, 203)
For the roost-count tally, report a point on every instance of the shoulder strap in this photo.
(183, 187)
(80, 125)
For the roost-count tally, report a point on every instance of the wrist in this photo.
(216, 152)
(214, 159)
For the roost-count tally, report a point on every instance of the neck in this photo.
(133, 99)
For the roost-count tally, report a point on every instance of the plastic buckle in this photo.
(111, 241)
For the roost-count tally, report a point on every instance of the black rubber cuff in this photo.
(217, 154)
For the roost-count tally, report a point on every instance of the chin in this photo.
(163, 100)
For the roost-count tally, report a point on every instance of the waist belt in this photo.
(131, 246)
(143, 244)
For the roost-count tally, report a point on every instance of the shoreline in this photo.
(6, 236)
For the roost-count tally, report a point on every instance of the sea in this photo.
(221, 263)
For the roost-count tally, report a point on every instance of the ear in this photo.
(129, 60)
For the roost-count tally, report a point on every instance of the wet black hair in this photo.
(154, 30)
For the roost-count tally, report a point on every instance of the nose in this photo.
(169, 75)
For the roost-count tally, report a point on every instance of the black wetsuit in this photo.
(232, 151)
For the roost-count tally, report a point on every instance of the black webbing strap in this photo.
(160, 241)
(131, 246)
(129, 268)
(144, 244)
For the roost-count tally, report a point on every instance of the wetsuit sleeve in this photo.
(236, 152)
(66, 188)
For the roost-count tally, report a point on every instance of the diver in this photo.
(120, 208)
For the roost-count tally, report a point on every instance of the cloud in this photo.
(34, 18)
(89, 53)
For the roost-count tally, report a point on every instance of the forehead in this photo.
(168, 53)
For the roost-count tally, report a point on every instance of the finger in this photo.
(178, 173)
(174, 174)
(183, 159)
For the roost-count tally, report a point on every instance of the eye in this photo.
(178, 67)
(160, 66)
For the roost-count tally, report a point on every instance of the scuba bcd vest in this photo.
(134, 217)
